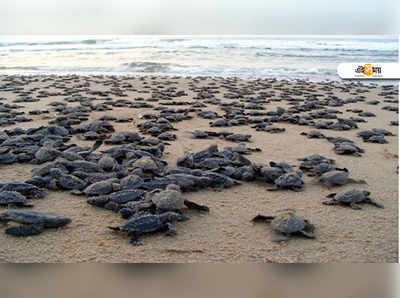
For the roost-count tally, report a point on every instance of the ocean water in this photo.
(284, 57)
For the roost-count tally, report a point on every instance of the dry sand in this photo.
(226, 233)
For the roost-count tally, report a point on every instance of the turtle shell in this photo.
(351, 196)
(288, 223)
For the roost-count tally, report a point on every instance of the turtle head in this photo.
(288, 210)
(172, 216)
(366, 193)
(55, 172)
(173, 187)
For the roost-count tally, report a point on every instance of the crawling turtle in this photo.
(290, 181)
(150, 224)
(324, 167)
(380, 139)
(26, 189)
(171, 199)
(314, 134)
(287, 223)
(103, 187)
(237, 137)
(115, 200)
(107, 163)
(338, 178)
(348, 149)
(200, 134)
(147, 164)
(13, 198)
(242, 149)
(66, 181)
(352, 198)
(33, 223)
(272, 129)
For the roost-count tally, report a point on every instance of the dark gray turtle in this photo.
(107, 163)
(266, 173)
(338, 140)
(7, 158)
(379, 139)
(220, 123)
(66, 181)
(147, 164)
(272, 129)
(338, 178)
(365, 134)
(237, 137)
(286, 224)
(150, 224)
(287, 168)
(242, 149)
(26, 189)
(314, 134)
(167, 136)
(185, 181)
(46, 153)
(200, 134)
(309, 163)
(219, 181)
(116, 199)
(103, 187)
(352, 198)
(348, 149)
(171, 199)
(323, 168)
(131, 182)
(13, 199)
(245, 173)
(290, 181)
(33, 223)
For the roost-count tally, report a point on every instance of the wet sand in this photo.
(226, 233)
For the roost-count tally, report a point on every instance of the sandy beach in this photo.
(226, 234)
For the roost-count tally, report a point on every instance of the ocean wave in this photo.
(151, 66)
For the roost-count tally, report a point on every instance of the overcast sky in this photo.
(199, 17)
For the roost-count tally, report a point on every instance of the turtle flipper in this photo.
(376, 203)
(193, 205)
(358, 181)
(114, 228)
(170, 230)
(330, 202)
(262, 218)
(307, 234)
(96, 145)
(279, 237)
(355, 206)
(297, 188)
(25, 230)
(331, 195)
(134, 238)
(273, 188)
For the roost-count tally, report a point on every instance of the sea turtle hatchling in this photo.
(33, 223)
(150, 224)
(171, 199)
(352, 198)
(287, 223)
(290, 181)
(338, 178)
(13, 199)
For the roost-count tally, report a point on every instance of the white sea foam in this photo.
(309, 57)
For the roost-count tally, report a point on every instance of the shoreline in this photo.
(346, 82)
